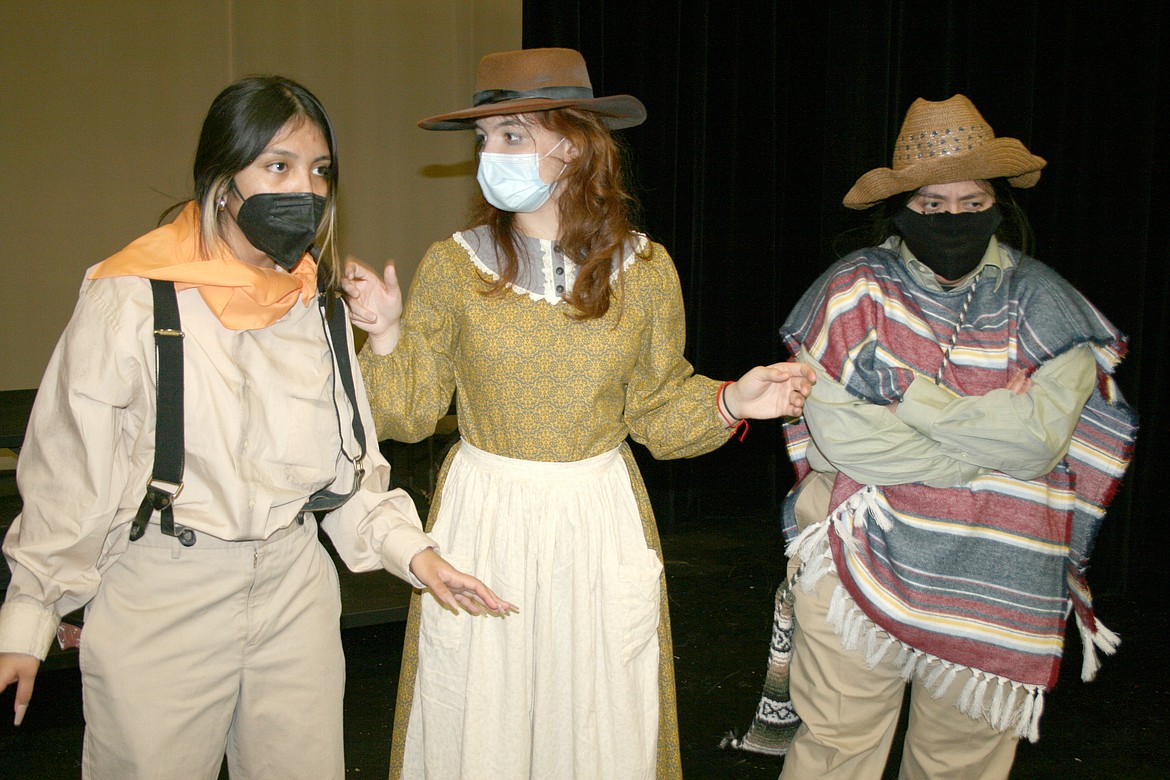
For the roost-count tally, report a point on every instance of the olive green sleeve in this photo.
(1021, 434)
(870, 444)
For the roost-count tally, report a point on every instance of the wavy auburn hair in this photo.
(597, 211)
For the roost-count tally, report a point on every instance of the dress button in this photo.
(560, 289)
(559, 271)
(187, 537)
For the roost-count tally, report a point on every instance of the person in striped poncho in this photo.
(954, 463)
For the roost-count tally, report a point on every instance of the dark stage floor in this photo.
(722, 579)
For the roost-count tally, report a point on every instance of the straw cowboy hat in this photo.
(517, 82)
(943, 142)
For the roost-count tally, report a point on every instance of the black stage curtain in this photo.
(761, 116)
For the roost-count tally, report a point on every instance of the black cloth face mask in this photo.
(282, 225)
(951, 245)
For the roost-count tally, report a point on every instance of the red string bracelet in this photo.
(735, 423)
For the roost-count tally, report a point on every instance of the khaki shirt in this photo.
(262, 434)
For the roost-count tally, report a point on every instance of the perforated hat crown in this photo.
(942, 142)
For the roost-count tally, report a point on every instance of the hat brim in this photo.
(999, 158)
(617, 111)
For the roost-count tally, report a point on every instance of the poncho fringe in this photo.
(874, 329)
(1006, 705)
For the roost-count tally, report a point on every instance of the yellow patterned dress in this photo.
(536, 385)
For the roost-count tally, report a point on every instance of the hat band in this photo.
(489, 96)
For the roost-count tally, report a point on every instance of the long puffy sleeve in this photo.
(72, 470)
(377, 527)
(411, 388)
(669, 409)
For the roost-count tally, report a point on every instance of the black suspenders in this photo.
(166, 481)
(326, 500)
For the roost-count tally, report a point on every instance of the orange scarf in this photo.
(242, 296)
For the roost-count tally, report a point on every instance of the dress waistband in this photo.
(539, 469)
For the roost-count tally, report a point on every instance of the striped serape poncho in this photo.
(979, 576)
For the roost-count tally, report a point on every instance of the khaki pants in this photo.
(188, 653)
(849, 713)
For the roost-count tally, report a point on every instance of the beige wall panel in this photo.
(385, 66)
(100, 106)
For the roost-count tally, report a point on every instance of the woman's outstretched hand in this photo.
(375, 303)
(454, 588)
(771, 391)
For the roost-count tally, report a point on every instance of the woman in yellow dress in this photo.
(562, 330)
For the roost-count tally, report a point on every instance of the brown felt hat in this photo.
(519, 82)
(943, 142)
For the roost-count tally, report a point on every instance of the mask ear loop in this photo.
(553, 148)
(557, 180)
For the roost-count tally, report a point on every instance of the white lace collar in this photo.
(545, 273)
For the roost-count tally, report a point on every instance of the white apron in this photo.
(569, 686)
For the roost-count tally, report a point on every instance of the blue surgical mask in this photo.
(512, 182)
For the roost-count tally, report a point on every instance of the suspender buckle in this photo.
(163, 493)
(160, 497)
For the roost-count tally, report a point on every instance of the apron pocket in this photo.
(438, 625)
(639, 601)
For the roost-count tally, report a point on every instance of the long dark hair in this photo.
(597, 211)
(242, 121)
(878, 222)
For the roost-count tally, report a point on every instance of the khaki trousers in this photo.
(191, 652)
(849, 713)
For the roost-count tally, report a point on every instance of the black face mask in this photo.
(951, 245)
(282, 225)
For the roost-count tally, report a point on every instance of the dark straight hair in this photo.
(242, 121)
(878, 222)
